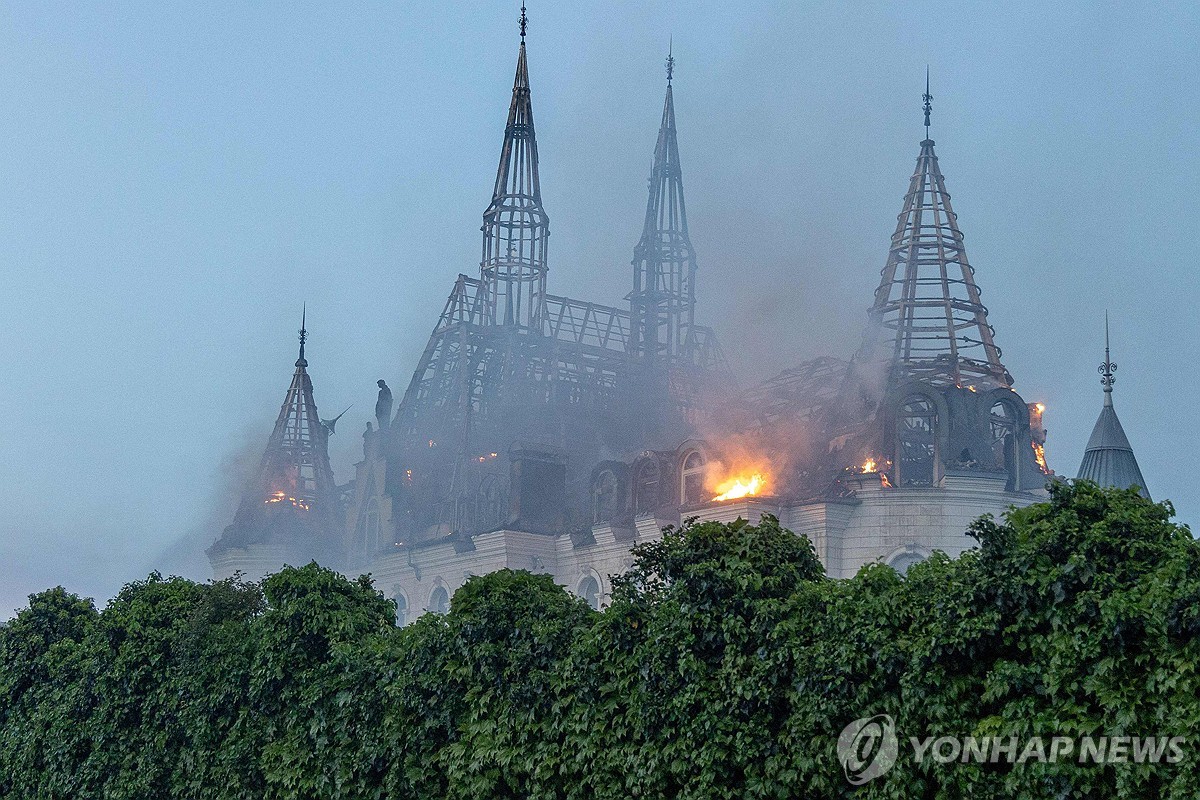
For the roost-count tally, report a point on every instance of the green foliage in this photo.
(725, 667)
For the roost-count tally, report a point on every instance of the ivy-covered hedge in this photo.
(726, 667)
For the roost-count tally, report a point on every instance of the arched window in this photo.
(401, 610)
(1003, 426)
(589, 590)
(916, 443)
(691, 478)
(439, 601)
(903, 561)
(1002, 421)
(371, 527)
(604, 497)
(646, 496)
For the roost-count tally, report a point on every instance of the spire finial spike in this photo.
(303, 330)
(670, 59)
(524, 22)
(1106, 334)
(927, 97)
(1108, 367)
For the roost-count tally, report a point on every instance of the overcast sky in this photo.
(176, 179)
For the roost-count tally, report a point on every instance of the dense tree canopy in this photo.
(725, 667)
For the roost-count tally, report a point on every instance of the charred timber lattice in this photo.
(927, 302)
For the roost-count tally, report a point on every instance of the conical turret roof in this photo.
(1108, 458)
(296, 461)
(293, 497)
(928, 321)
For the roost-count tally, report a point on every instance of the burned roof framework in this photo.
(509, 365)
(293, 498)
(928, 340)
(928, 304)
(508, 361)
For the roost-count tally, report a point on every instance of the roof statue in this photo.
(928, 321)
(1108, 458)
(383, 404)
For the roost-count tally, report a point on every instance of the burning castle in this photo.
(551, 434)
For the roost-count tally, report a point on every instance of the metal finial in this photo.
(1107, 369)
(927, 97)
(524, 22)
(303, 328)
(670, 59)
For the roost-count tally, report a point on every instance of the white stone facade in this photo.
(897, 526)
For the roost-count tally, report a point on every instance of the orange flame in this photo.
(741, 487)
(1039, 455)
(281, 497)
(869, 465)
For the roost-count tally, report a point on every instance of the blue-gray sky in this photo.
(176, 179)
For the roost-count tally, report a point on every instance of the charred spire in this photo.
(664, 264)
(292, 500)
(515, 226)
(927, 310)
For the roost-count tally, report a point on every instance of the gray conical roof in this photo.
(1108, 459)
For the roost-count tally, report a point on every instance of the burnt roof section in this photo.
(293, 495)
(928, 321)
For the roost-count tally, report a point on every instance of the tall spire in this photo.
(664, 263)
(515, 226)
(927, 302)
(1108, 458)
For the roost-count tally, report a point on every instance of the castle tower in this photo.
(1108, 458)
(664, 264)
(928, 321)
(927, 395)
(511, 370)
(289, 513)
(515, 226)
